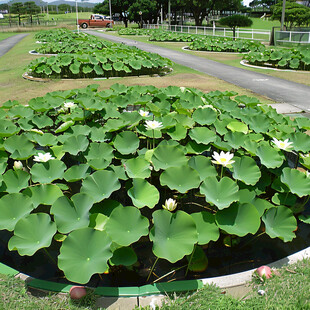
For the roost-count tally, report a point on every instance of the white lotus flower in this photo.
(223, 159)
(283, 145)
(69, 105)
(43, 158)
(182, 89)
(170, 204)
(17, 165)
(153, 125)
(144, 113)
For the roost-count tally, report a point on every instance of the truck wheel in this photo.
(108, 25)
(84, 25)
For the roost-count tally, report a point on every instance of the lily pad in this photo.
(48, 171)
(15, 180)
(206, 227)
(203, 166)
(72, 214)
(32, 233)
(126, 142)
(297, 181)
(137, 167)
(126, 225)
(174, 178)
(143, 194)
(221, 193)
(239, 219)
(246, 170)
(280, 222)
(84, 252)
(173, 235)
(269, 156)
(124, 256)
(100, 185)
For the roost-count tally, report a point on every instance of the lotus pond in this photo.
(142, 181)
(83, 56)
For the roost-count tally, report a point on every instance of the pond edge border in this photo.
(227, 281)
(246, 64)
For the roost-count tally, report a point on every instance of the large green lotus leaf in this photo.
(178, 132)
(76, 173)
(42, 121)
(239, 219)
(19, 147)
(221, 193)
(262, 205)
(184, 120)
(80, 130)
(246, 170)
(15, 180)
(235, 139)
(250, 146)
(75, 144)
(193, 147)
(143, 194)
(202, 135)
(124, 256)
(305, 161)
(166, 156)
(126, 225)
(297, 181)
(236, 126)
(14, 207)
(206, 227)
(98, 134)
(173, 235)
(8, 128)
(119, 171)
(280, 222)
(48, 171)
(46, 139)
(182, 178)
(20, 111)
(305, 218)
(98, 221)
(72, 214)
(100, 185)
(203, 166)
(204, 116)
(137, 167)
(301, 142)
(32, 233)
(84, 252)
(258, 123)
(44, 194)
(115, 125)
(99, 155)
(126, 142)
(269, 156)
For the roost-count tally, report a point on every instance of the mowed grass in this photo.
(5, 35)
(14, 87)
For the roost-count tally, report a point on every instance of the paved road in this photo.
(7, 44)
(280, 90)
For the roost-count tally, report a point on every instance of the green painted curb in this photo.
(8, 270)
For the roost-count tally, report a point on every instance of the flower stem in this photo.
(153, 139)
(49, 256)
(151, 271)
(190, 260)
(222, 169)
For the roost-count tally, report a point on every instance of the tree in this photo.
(200, 9)
(236, 21)
(19, 9)
(31, 9)
(142, 10)
(296, 15)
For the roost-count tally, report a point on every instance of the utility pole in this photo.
(283, 15)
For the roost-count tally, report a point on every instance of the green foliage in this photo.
(234, 21)
(104, 177)
(294, 58)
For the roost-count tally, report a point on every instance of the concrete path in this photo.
(294, 94)
(7, 44)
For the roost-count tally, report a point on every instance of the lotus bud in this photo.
(170, 204)
(18, 165)
(264, 272)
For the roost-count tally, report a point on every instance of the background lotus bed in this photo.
(83, 56)
(85, 174)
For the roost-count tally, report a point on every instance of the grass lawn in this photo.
(14, 87)
(5, 35)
